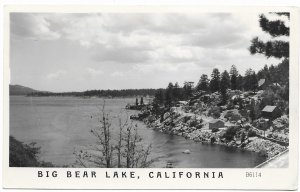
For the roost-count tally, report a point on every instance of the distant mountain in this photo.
(20, 90)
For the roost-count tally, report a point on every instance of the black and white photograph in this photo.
(149, 90)
(149, 97)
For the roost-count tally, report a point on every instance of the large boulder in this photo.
(166, 115)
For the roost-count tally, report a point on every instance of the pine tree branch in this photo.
(274, 28)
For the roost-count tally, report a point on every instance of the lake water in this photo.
(61, 124)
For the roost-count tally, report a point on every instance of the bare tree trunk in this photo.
(128, 147)
(133, 159)
(120, 144)
(106, 138)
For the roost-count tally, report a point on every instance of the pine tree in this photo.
(159, 97)
(276, 47)
(136, 101)
(203, 83)
(264, 73)
(250, 80)
(272, 48)
(240, 82)
(224, 85)
(233, 77)
(188, 88)
(177, 92)
(142, 101)
(253, 81)
(247, 79)
(169, 94)
(215, 80)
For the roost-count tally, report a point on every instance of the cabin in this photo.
(216, 123)
(271, 112)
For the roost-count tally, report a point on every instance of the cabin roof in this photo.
(269, 108)
(261, 82)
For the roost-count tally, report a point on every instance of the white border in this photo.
(273, 179)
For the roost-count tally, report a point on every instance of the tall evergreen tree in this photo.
(188, 88)
(215, 80)
(247, 79)
(136, 101)
(250, 80)
(233, 77)
(240, 82)
(224, 85)
(203, 83)
(159, 97)
(177, 91)
(169, 94)
(142, 101)
(264, 73)
(253, 81)
(276, 47)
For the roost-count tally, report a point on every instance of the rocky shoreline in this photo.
(195, 127)
(254, 144)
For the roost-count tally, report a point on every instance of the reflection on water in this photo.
(60, 124)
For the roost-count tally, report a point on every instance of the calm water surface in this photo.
(61, 124)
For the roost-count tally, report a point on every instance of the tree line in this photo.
(100, 93)
(221, 82)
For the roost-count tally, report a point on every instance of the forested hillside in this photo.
(249, 110)
(20, 90)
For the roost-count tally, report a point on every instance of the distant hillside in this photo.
(20, 90)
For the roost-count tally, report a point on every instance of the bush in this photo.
(199, 126)
(215, 129)
(193, 123)
(268, 98)
(201, 120)
(186, 118)
(230, 106)
(233, 115)
(230, 133)
(263, 153)
(215, 112)
(212, 140)
(251, 133)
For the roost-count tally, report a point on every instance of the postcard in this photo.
(148, 97)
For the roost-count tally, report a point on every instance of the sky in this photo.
(84, 51)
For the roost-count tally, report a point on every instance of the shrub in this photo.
(186, 118)
(251, 133)
(233, 115)
(215, 129)
(199, 126)
(230, 133)
(201, 120)
(193, 123)
(215, 112)
(230, 106)
(212, 140)
(263, 153)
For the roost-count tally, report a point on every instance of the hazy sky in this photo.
(76, 52)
